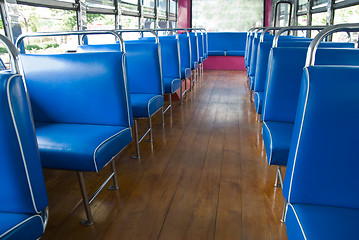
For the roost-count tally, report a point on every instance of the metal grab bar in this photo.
(68, 33)
(14, 54)
(296, 28)
(140, 31)
(267, 30)
(351, 27)
(168, 30)
(256, 31)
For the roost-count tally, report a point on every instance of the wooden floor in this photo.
(206, 179)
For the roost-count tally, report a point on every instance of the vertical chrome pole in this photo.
(89, 220)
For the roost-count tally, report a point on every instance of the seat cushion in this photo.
(258, 99)
(194, 65)
(20, 226)
(251, 82)
(277, 137)
(321, 222)
(185, 73)
(171, 84)
(145, 105)
(79, 147)
(217, 53)
(235, 53)
(201, 59)
(205, 55)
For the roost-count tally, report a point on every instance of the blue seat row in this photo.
(227, 43)
(307, 118)
(23, 199)
(83, 105)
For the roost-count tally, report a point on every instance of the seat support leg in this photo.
(181, 95)
(278, 178)
(150, 127)
(85, 200)
(284, 213)
(138, 156)
(170, 100)
(114, 177)
(162, 118)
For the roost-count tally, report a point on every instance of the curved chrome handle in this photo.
(351, 27)
(140, 31)
(68, 33)
(14, 53)
(282, 30)
(267, 30)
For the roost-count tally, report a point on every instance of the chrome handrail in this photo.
(267, 30)
(140, 31)
(296, 28)
(351, 27)
(168, 30)
(68, 33)
(14, 54)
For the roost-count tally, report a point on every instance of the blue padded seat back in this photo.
(21, 179)
(170, 57)
(283, 83)
(55, 84)
(185, 51)
(247, 56)
(227, 41)
(200, 45)
(253, 60)
(337, 56)
(305, 43)
(262, 64)
(205, 42)
(194, 47)
(144, 69)
(322, 165)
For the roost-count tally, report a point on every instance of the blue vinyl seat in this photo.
(145, 80)
(321, 185)
(185, 57)
(282, 92)
(81, 111)
(23, 199)
(227, 43)
(194, 57)
(171, 67)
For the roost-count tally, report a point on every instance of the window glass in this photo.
(101, 4)
(129, 5)
(346, 15)
(173, 6)
(128, 22)
(283, 15)
(302, 5)
(100, 22)
(302, 21)
(148, 7)
(229, 15)
(41, 19)
(320, 3)
(318, 19)
(4, 55)
(162, 5)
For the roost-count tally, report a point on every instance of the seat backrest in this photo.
(323, 160)
(171, 66)
(200, 45)
(144, 69)
(227, 41)
(247, 55)
(205, 42)
(285, 68)
(21, 179)
(83, 88)
(194, 47)
(185, 51)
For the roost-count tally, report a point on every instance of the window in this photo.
(161, 9)
(100, 22)
(318, 19)
(283, 15)
(320, 3)
(346, 15)
(302, 6)
(148, 8)
(128, 22)
(42, 19)
(240, 15)
(4, 55)
(129, 7)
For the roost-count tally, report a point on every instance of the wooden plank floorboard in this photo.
(207, 177)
